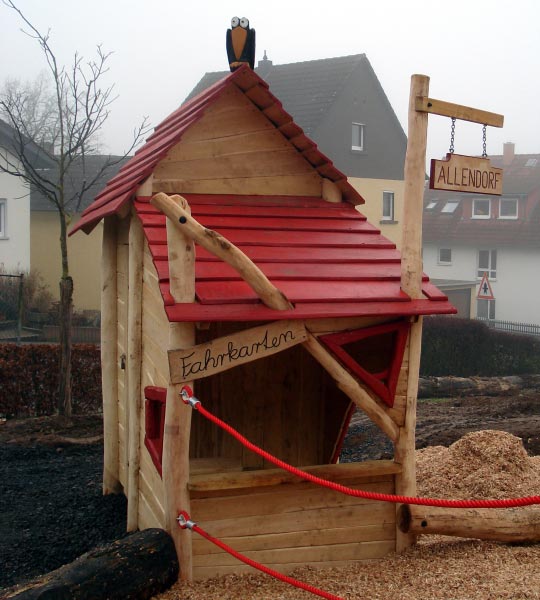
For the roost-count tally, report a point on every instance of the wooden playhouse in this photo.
(337, 331)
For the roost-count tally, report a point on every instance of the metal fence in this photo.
(527, 328)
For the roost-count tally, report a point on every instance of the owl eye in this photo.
(244, 22)
(235, 21)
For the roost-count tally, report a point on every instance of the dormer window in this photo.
(481, 208)
(431, 205)
(450, 207)
(358, 137)
(508, 208)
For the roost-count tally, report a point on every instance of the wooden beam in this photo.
(111, 478)
(222, 248)
(465, 113)
(415, 169)
(348, 384)
(134, 366)
(175, 464)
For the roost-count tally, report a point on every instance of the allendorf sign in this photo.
(465, 174)
(236, 349)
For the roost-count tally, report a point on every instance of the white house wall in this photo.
(15, 244)
(516, 288)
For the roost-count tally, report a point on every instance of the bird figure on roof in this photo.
(240, 43)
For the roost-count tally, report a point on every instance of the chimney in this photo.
(508, 153)
(264, 66)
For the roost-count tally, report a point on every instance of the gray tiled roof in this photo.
(306, 89)
(36, 155)
(81, 171)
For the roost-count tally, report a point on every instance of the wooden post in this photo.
(175, 462)
(109, 358)
(134, 365)
(415, 178)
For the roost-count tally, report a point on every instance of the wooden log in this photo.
(415, 170)
(134, 367)
(222, 248)
(140, 565)
(111, 478)
(175, 462)
(348, 384)
(502, 525)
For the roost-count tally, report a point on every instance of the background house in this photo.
(341, 105)
(83, 251)
(14, 205)
(466, 235)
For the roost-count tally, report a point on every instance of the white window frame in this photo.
(478, 201)
(489, 309)
(3, 218)
(390, 217)
(507, 201)
(441, 260)
(358, 141)
(490, 268)
(450, 207)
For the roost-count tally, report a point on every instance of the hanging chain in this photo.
(452, 135)
(484, 145)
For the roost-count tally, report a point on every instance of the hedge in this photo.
(29, 379)
(466, 348)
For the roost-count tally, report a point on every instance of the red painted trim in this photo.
(155, 423)
(343, 433)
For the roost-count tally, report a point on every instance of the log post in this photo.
(134, 365)
(109, 359)
(520, 525)
(177, 430)
(411, 284)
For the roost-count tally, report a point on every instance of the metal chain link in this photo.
(484, 144)
(452, 135)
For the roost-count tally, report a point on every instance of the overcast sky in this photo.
(484, 54)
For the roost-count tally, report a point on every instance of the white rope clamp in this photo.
(186, 393)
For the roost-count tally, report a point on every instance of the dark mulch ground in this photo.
(52, 509)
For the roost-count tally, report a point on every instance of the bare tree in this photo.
(58, 117)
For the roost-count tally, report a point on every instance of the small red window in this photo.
(155, 423)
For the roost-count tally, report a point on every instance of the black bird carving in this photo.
(240, 43)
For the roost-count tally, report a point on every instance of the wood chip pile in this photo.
(485, 464)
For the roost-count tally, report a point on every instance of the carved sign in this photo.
(236, 349)
(465, 174)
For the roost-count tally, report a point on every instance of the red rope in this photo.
(507, 503)
(248, 561)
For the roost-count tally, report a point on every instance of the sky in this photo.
(484, 54)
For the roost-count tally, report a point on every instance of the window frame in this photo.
(452, 207)
(490, 270)
(3, 218)
(389, 218)
(490, 309)
(476, 201)
(362, 131)
(440, 261)
(507, 200)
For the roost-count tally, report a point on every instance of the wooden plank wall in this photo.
(122, 314)
(292, 525)
(234, 149)
(155, 369)
(285, 403)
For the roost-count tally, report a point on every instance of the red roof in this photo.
(120, 189)
(326, 258)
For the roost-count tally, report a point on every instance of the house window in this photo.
(508, 208)
(431, 205)
(450, 206)
(445, 256)
(487, 263)
(485, 309)
(358, 137)
(154, 423)
(481, 208)
(3, 211)
(388, 206)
